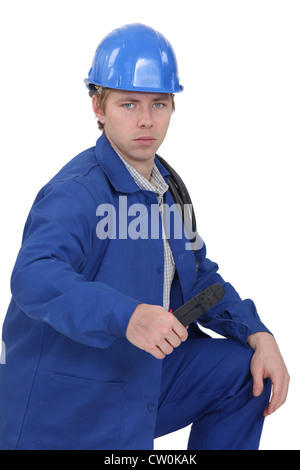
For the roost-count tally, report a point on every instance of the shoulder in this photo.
(79, 177)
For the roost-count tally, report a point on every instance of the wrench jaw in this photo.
(210, 296)
(200, 304)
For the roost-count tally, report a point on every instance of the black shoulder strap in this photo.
(179, 192)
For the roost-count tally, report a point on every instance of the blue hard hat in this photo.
(135, 57)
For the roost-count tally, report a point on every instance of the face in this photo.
(135, 123)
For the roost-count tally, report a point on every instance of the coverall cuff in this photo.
(123, 311)
(242, 331)
(257, 327)
(245, 321)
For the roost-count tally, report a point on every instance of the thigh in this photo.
(197, 377)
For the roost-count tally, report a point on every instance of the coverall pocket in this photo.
(68, 412)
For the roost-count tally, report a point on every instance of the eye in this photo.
(128, 105)
(158, 105)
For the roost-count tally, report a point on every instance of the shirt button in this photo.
(151, 406)
(148, 201)
(160, 269)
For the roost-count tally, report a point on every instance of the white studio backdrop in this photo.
(234, 139)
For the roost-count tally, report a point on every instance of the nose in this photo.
(145, 118)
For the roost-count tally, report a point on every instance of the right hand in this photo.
(155, 330)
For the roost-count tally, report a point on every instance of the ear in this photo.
(98, 110)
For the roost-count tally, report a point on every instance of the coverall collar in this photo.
(115, 169)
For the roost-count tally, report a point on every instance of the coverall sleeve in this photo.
(48, 283)
(232, 317)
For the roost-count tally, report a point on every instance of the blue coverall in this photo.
(71, 379)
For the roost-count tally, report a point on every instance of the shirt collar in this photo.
(156, 183)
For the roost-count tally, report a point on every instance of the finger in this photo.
(274, 403)
(180, 331)
(165, 347)
(173, 339)
(156, 352)
(280, 391)
(258, 384)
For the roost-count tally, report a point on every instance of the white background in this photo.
(234, 139)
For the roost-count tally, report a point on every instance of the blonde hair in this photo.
(101, 97)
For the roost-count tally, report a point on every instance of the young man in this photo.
(94, 357)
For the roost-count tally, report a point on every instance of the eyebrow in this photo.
(134, 100)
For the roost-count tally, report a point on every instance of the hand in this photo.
(267, 362)
(155, 330)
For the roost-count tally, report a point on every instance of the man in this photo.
(94, 357)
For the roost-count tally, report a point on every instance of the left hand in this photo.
(267, 362)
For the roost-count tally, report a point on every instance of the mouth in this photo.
(145, 140)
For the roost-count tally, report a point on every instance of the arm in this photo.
(238, 319)
(232, 317)
(60, 254)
